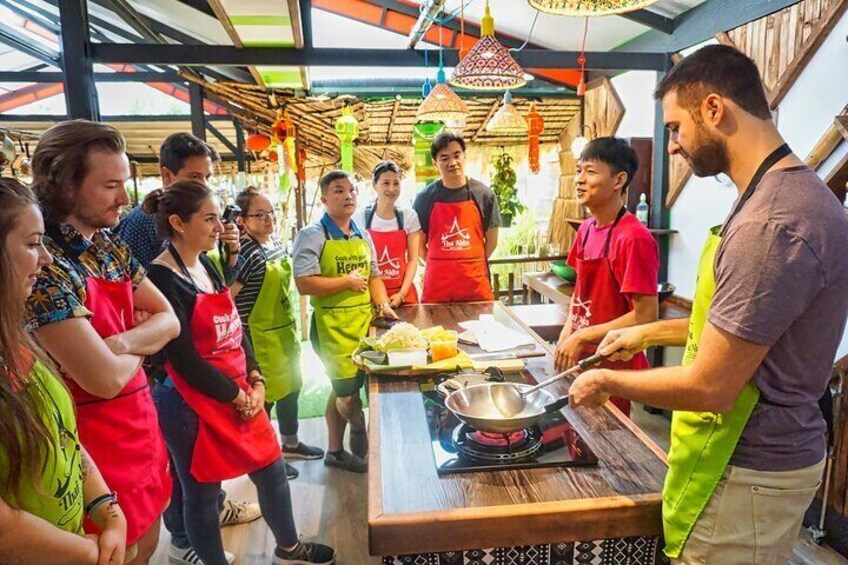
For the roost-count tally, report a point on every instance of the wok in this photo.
(474, 405)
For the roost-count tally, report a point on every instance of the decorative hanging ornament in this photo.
(535, 128)
(507, 120)
(258, 142)
(488, 66)
(443, 105)
(580, 8)
(272, 155)
(347, 129)
(423, 134)
(280, 129)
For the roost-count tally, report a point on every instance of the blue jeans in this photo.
(200, 500)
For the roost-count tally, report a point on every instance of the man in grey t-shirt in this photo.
(747, 448)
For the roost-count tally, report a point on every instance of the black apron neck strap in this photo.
(181, 264)
(770, 161)
(399, 218)
(609, 233)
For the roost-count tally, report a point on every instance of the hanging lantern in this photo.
(422, 136)
(347, 129)
(443, 105)
(291, 156)
(582, 8)
(488, 66)
(301, 165)
(258, 142)
(507, 120)
(535, 128)
(272, 156)
(280, 129)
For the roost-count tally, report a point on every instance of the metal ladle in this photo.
(511, 400)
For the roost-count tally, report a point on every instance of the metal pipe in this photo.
(429, 12)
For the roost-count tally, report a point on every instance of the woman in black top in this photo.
(211, 404)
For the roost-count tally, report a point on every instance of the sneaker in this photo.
(359, 443)
(346, 461)
(302, 451)
(189, 557)
(239, 513)
(291, 472)
(305, 554)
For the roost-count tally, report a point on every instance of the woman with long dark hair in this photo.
(47, 480)
(211, 406)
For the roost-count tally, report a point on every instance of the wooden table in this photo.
(551, 287)
(413, 510)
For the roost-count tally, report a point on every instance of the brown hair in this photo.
(182, 198)
(720, 69)
(60, 162)
(245, 197)
(382, 167)
(24, 438)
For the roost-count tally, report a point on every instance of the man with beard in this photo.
(747, 434)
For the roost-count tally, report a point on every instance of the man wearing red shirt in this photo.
(615, 257)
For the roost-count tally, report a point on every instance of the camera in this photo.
(231, 212)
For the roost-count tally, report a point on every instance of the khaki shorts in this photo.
(753, 517)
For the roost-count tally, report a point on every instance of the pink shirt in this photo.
(633, 253)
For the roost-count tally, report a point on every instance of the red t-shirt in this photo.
(633, 253)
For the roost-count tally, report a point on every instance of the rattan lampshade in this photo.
(488, 66)
(507, 120)
(443, 105)
(582, 8)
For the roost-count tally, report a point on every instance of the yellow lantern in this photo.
(347, 129)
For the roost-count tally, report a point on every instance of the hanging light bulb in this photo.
(507, 120)
(578, 145)
(488, 66)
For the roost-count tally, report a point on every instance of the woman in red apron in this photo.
(211, 404)
(598, 299)
(396, 234)
(457, 268)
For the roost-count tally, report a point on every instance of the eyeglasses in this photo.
(262, 215)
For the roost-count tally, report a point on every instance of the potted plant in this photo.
(503, 184)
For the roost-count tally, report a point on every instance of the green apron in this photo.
(56, 494)
(702, 443)
(273, 331)
(342, 319)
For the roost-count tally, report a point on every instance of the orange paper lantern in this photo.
(280, 130)
(258, 142)
(535, 127)
(272, 156)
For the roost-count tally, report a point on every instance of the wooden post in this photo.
(511, 283)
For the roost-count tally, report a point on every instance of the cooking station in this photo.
(579, 486)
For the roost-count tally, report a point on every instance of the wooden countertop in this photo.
(559, 291)
(411, 509)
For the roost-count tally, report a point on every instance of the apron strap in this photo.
(609, 234)
(217, 284)
(767, 164)
(370, 210)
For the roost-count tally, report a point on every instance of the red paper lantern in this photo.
(272, 156)
(258, 142)
(280, 130)
(535, 127)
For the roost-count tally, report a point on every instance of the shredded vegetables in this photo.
(401, 336)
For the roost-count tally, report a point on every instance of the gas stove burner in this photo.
(497, 448)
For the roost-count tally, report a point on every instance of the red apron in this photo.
(226, 446)
(598, 299)
(391, 249)
(122, 433)
(457, 269)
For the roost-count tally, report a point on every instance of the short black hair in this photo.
(325, 181)
(720, 69)
(443, 140)
(178, 147)
(616, 153)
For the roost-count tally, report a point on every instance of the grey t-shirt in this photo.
(782, 281)
(308, 244)
(482, 195)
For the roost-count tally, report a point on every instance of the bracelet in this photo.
(111, 497)
(258, 380)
